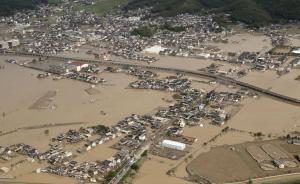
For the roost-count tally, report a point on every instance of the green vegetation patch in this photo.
(102, 7)
(168, 7)
(173, 28)
(110, 175)
(296, 181)
(101, 129)
(132, 171)
(54, 2)
(145, 31)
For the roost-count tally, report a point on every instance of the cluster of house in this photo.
(78, 71)
(83, 71)
(235, 72)
(191, 41)
(92, 171)
(61, 162)
(258, 62)
(73, 70)
(185, 37)
(85, 77)
(128, 54)
(191, 108)
(91, 68)
(135, 133)
(134, 71)
(295, 63)
(171, 83)
(49, 30)
(56, 155)
(193, 105)
(25, 150)
(72, 136)
(182, 35)
(220, 97)
(133, 127)
(277, 37)
(6, 153)
(213, 69)
(141, 74)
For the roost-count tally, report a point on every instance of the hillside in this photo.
(252, 12)
(8, 7)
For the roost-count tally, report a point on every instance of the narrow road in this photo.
(128, 165)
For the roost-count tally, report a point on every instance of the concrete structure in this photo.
(173, 145)
(278, 164)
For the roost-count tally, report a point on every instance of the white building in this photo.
(142, 137)
(154, 49)
(77, 65)
(173, 145)
(296, 51)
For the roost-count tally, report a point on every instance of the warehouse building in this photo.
(173, 145)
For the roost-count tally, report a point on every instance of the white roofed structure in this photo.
(173, 144)
(154, 49)
(296, 51)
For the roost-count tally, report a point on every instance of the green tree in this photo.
(47, 131)
(145, 153)
(135, 167)
(250, 181)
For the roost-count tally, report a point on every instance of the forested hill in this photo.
(252, 12)
(8, 7)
